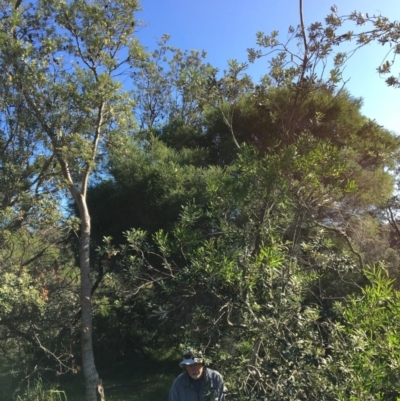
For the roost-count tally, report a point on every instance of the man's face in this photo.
(195, 371)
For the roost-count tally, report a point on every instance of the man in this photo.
(197, 382)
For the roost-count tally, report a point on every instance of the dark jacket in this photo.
(212, 388)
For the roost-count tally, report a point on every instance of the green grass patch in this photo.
(135, 379)
(7, 375)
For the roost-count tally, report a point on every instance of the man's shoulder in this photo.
(215, 380)
(213, 373)
(182, 378)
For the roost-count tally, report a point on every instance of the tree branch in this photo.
(348, 240)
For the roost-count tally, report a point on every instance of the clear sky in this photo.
(226, 28)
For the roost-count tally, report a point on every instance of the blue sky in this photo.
(226, 28)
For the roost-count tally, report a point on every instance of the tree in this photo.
(59, 63)
(165, 178)
(242, 277)
(380, 29)
(38, 292)
(160, 90)
(229, 277)
(332, 160)
(36, 265)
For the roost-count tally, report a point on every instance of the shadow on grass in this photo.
(134, 379)
(137, 378)
(6, 382)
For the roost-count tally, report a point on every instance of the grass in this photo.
(7, 374)
(138, 379)
(134, 379)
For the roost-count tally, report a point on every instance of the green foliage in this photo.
(38, 298)
(230, 278)
(368, 29)
(38, 392)
(59, 67)
(165, 180)
(366, 342)
(60, 64)
(163, 89)
(260, 201)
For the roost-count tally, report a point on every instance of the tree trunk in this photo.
(94, 388)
